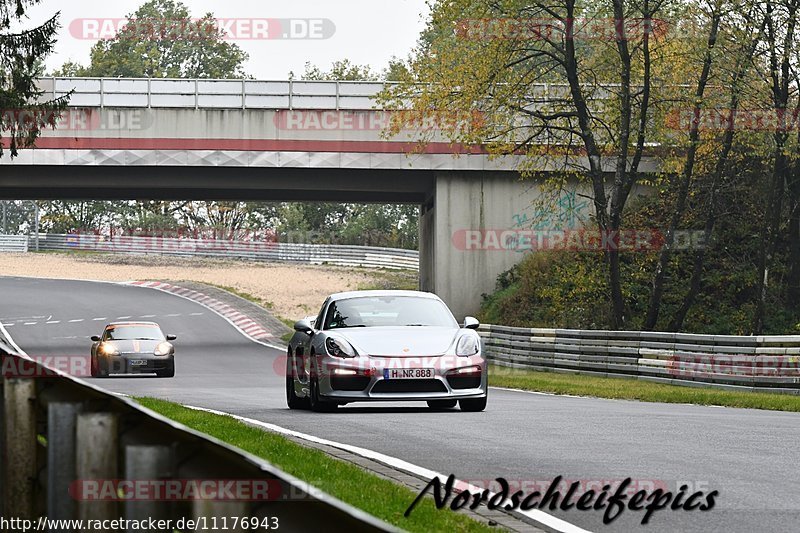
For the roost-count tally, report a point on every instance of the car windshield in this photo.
(134, 332)
(388, 311)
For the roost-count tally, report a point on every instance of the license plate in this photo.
(408, 373)
(138, 362)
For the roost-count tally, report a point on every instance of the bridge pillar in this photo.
(460, 271)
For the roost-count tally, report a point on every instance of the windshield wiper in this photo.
(415, 325)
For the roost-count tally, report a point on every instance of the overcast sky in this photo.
(366, 31)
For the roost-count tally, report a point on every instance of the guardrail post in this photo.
(19, 436)
(217, 514)
(62, 418)
(147, 463)
(96, 460)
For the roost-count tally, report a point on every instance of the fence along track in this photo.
(757, 363)
(313, 254)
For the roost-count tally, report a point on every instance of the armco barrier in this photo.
(314, 254)
(13, 243)
(763, 363)
(61, 438)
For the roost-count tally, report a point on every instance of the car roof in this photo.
(366, 294)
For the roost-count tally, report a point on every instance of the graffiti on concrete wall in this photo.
(565, 209)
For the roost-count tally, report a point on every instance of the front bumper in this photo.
(370, 382)
(136, 363)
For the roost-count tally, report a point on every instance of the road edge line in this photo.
(540, 517)
(4, 332)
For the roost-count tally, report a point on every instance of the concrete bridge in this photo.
(288, 141)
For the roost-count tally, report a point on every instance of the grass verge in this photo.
(386, 279)
(632, 389)
(377, 496)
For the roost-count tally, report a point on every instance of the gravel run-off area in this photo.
(289, 291)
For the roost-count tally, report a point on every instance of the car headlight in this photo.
(468, 345)
(339, 348)
(163, 349)
(108, 349)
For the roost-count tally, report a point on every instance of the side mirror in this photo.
(470, 322)
(95, 338)
(303, 326)
(171, 337)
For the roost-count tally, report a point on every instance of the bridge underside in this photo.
(452, 202)
(32, 182)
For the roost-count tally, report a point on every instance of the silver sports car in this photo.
(385, 346)
(133, 348)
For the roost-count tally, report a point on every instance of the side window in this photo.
(320, 316)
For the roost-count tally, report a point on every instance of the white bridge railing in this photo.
(232, 94)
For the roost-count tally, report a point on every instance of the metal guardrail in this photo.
(758, 363)
(13, 243)
(313, 254)
(58, 433)
(237, 94)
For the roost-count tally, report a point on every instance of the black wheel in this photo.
(99, 368)
(292, 400)
(473, 405)
(168, 373)
(441, 404)
(317, 404)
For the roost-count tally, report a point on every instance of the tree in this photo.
(24, 113)
(783, 80)
(342, 70)
(161, 40)
(470, 59)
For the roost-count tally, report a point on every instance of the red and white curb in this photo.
(249, 327)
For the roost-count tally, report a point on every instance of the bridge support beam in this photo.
(460, 266)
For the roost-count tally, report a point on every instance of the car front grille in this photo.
(409, 385)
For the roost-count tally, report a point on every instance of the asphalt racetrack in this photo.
(749, 456)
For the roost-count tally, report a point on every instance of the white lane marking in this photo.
(174, 314)
(147, 316)
(31, 323)
(9, 325)
(540, 393)
(54, 322)
(192, 314)
(101, 318)
(76, 320)
(534, 514)
(123, 317)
